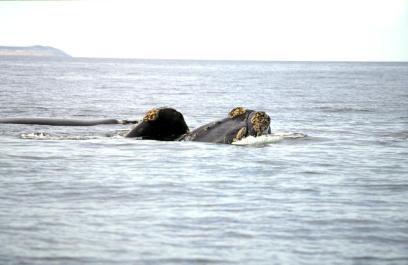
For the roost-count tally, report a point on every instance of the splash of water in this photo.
(269, 139)
(46, 136)
(250, 140)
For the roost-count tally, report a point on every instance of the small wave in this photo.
(289, 135)
(402, 135)
(344, 109)
(269, 139)
(46, 136)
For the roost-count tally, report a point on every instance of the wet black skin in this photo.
(168, 125)
(225, 131)
(62, 122)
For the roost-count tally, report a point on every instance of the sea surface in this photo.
(330, 186)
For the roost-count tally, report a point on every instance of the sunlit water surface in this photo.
(84, 195)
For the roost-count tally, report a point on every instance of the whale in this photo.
(168, 124)
(162, 124)
(239, 123)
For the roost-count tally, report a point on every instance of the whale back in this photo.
(163, 124)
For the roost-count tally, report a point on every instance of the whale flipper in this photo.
(62, 122)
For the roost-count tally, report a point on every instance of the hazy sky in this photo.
(364, 30)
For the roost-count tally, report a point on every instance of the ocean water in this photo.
(329, 186)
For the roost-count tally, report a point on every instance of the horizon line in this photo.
(207, 60)
(202, 59)
(239, 60)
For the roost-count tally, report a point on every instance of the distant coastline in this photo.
(37, 51)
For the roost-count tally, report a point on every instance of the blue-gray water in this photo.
(338, 196)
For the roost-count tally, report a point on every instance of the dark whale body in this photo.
(163, 124)
(167, 124)
(62, 122)
(239, 124)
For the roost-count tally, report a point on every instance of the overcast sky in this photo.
(346, 30)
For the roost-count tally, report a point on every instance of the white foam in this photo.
(289, 135)
(46, 136)
(269, 138)
(250, 140)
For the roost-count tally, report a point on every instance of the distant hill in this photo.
(40, 51)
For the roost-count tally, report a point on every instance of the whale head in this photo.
(163, 124)
(239, 124)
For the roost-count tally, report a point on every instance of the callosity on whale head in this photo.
(258, 123)
(164, 124)
(239, 124)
